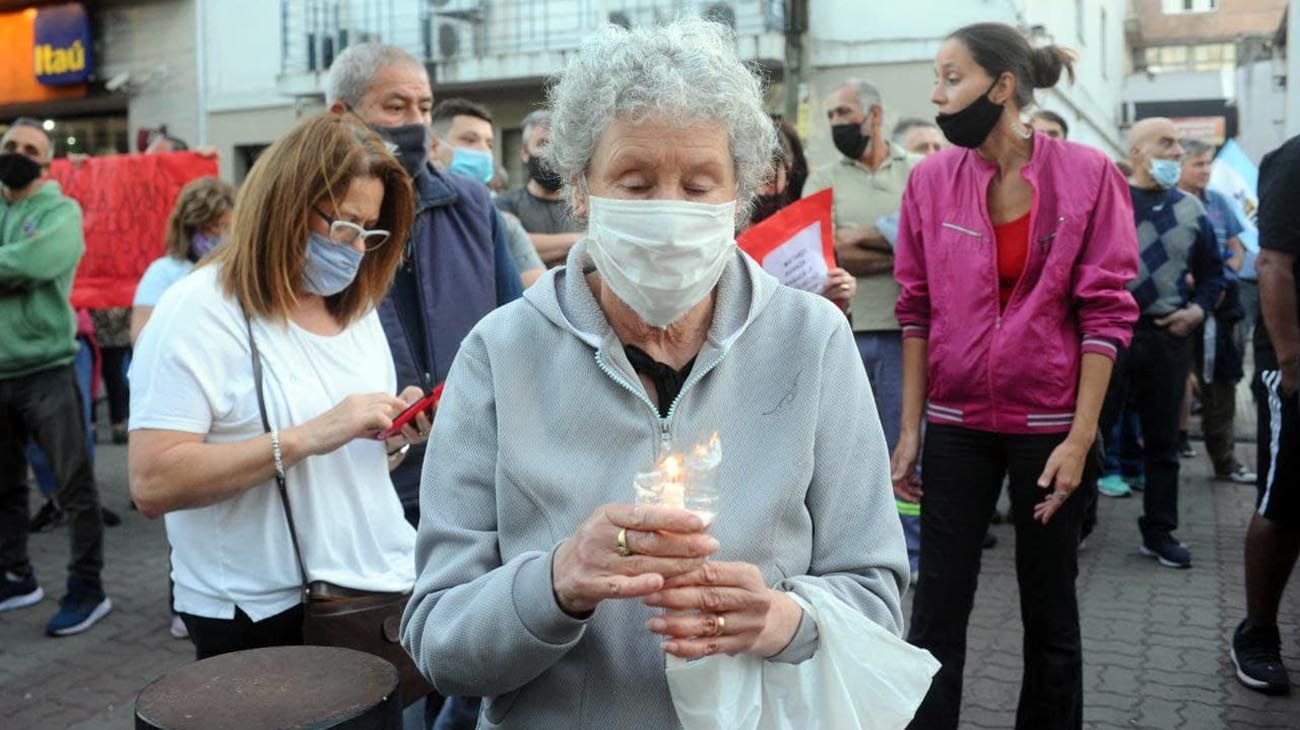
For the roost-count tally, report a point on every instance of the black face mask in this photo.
(410, 142)
(539, 171)
(17, 170)
(850, 140)
(972, 125)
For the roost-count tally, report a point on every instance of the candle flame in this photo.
(672, 465)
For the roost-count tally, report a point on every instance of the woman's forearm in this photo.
(1094, 379)
(174, 470)
(916, 354)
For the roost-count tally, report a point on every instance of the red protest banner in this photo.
(125, 201)
(797, 244)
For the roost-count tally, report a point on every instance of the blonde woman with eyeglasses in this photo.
(313, 247)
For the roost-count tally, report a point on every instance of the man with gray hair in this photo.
(918, 136)
(539, 205)
(458, 267)
(40, 244)
(868, 181)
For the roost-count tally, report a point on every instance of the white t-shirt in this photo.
(158, 278)
(191, 372)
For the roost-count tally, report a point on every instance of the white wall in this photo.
(1261, 104)
(153, 41)
(242, 44)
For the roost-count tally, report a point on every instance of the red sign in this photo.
(125, 202)
(797, 244)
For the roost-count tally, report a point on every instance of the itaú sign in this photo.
(62, 45)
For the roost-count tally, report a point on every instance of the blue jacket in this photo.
(459, 260)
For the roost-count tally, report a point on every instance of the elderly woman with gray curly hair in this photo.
(540, 587)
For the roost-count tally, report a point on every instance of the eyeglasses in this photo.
(346, 233)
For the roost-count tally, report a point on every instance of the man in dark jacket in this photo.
(40, 245)
(458, 266)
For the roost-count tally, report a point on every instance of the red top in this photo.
(1013, 252)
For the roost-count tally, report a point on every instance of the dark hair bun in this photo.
(1047, 63)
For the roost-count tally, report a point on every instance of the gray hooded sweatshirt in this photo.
(544, 420)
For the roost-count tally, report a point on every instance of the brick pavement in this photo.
(1154, 638)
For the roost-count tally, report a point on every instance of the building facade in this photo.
(236, 74)
(140, 72)
(1210, 65)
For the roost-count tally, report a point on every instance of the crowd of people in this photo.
(1008, 310)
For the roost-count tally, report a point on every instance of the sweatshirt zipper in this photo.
(664, 424)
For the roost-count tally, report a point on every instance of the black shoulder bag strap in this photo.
(279, 479)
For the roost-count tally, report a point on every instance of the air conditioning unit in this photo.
(454, 38)
(722, 13)
(621, 19)
(454, 29)
(463, 9)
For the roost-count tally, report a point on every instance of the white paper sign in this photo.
(799, 262)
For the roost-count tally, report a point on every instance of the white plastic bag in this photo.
(861, 678)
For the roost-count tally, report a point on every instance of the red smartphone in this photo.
(427, 403)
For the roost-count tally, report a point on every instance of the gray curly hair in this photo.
(687, 69)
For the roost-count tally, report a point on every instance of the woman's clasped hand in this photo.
(660, 555)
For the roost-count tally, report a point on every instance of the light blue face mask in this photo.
(330, 267)
(1165, 172)
(472, 164)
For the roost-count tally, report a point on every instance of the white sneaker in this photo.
(178, 629)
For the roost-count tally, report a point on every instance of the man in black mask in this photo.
(868, 181)
(458, 266)
(40, 244)
(539, 205)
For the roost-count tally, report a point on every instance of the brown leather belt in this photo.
(320, 589)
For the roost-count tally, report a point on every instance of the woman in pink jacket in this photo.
(1013, 252)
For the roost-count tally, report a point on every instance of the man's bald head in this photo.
(1154, 138)
(1151, 129)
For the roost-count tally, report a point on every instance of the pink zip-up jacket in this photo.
(1015, 370)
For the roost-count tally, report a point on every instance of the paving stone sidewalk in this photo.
(1154, 638)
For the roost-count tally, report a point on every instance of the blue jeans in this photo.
(882, 356)
(1123, 445)
(458, 713)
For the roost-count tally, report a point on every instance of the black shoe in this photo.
(1185, 449)
(1168, 551)
(48, 517)
(111, 518)
(1257, 655)
(990, 540)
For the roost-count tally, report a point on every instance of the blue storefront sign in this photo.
(62, 45)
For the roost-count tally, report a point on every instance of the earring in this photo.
(1021, 130)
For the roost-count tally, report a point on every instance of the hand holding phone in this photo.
(424, 405)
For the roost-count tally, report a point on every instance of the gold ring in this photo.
(623, 550)
(722, 624)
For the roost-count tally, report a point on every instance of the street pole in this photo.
(796, 20)
(1293, 69)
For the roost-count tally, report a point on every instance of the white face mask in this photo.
(661, 257)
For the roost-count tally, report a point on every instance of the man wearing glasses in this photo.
(458, 265)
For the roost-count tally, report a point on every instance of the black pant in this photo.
(113, 368)
(46, 407)
(214, 636)
(1153, 372)
(962, 471)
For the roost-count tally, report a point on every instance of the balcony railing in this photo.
(314, 32)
